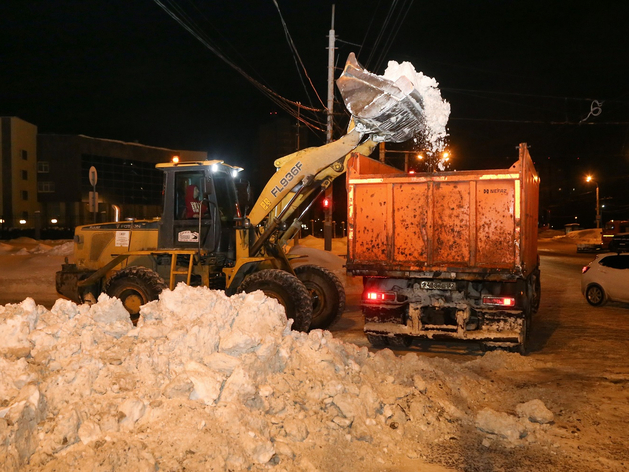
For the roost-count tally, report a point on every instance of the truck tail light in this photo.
(498, 301)
(585, 269)
(380, 296)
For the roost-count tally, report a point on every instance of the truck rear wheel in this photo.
(525, 334)
(287, 290)
(327, 294)
(135, 286)
(535, 291)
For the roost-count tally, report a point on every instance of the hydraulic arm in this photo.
(382, 110)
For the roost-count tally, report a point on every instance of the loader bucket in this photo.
(385, 110)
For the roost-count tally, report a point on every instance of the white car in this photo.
(606, 278)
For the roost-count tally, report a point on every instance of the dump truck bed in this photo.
(468, 224)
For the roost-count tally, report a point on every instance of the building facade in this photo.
(126, 178)
(19, 207)
(45, 184)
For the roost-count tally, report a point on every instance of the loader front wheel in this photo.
(135, 286)
(287, 290)
(327, 294)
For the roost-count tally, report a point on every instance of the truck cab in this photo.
(200, 207)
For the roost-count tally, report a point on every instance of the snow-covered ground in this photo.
(27, 269)
(207, 382)
(27, 266)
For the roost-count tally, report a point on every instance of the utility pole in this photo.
(598, 209)
(298, 125)
(327, 223)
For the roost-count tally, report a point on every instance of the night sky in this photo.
(513, 72)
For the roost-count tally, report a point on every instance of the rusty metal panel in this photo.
(530, 208)
(451, 214)
(412, 222)
(495, 223)
(470, 222)
(370, 226)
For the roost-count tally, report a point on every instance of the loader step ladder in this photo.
(173, 267)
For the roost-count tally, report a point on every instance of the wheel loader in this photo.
(204, 239)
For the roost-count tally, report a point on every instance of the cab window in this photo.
(615, 262)
(189, 191)
(225, 196)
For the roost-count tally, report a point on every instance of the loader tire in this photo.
(327, 294)
(135, 286)
(287, 290)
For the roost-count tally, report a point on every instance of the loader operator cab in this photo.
(200, 207)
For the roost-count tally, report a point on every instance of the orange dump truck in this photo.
(448, 255)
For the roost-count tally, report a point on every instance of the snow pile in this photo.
(436, 109)
(26, 246)
(5, 248)
(207, 382)
(65, 249)
(583, 236)
(40, 249)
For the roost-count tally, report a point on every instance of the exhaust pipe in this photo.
(116, 209)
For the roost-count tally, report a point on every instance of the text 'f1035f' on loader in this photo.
(203, 239)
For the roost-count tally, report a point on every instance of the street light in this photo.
(598, 208)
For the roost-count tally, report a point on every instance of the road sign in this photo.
(93, 176)
(93, 202)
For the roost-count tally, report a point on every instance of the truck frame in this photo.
(446, 255)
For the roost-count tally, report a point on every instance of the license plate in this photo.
(437, 285)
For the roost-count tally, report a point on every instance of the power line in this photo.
(297, 58)
(495, 92)
(540, 122)
(395, 30)
(180, 16)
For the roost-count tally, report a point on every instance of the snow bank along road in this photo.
(211, 383)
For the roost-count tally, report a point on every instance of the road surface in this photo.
(585, 349)
(584, 352)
